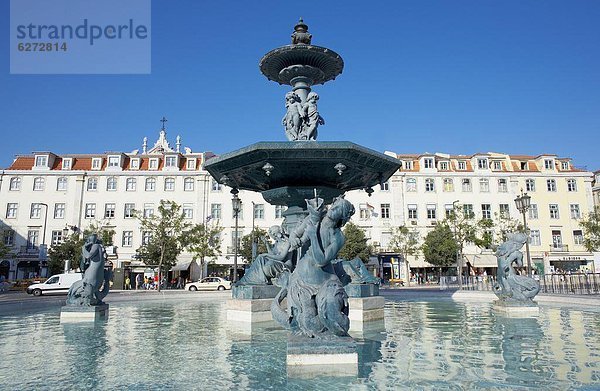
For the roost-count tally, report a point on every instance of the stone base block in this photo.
(254, 292)
(250, 311)
(365, 310)
(309, 357)
(516, 311)
(362, 290)
(74, 314)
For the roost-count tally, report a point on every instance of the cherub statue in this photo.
(292, 121)
(311, 116)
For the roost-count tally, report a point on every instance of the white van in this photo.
(59, 283)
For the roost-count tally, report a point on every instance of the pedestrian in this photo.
(127, 284)
(138, 281)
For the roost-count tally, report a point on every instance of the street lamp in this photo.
(254, 241)
(523, 203)
(237, 207)
(458, 257)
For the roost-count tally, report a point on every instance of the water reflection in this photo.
(85, 361)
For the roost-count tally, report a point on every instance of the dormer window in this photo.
(548, 164)
(190, 164)
(96, 163)
(462, 165)
(153, 164)
(408, 164)
(482, 164)
(135, 164)
(170, 161)
(564, 165)
(497, 165)
(444, 166)
(41, 161)
(67, 164)
(523, 165)
(428, 163)
(114, 161)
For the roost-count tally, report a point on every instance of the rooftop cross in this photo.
(163, 120)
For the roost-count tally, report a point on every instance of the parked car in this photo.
(208, 284)
(59, 283)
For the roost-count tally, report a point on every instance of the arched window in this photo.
(92, 184)
(15, 183)
(188, 184)
(38, 184)
(150, 184)
(169, 184)
(448, 184)
(130, 184)
(111, 183)
(411, 184)
(61, 183)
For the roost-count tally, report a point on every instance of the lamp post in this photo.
(237, 206)
(45, 222)
(523, 203)
(254, 241)
(458, 255)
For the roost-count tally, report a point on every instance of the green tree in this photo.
(591, 230)
(405, 241)
(5, 251)
(356, 244)
(204, 241)
(260, 236)
(168, 231)
(490, 233)
(440, 246)
(69, 249)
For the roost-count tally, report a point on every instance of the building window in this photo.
(67, 164)
(502, 186)
(129, 211)
(385, 211)
(484, 185)
(259, 211)
(188, 184)
(564, 165)
(190, 164)
(153, 164)
(171, 161)
(146, 237)
(127, 238)
(215, 211)
(130, 184)
(216, 186)
(533, 212)
(41, 161)
(169, 184)
(466, 185)
(9, 237)
(134, 164)
(57, 237)
(96, 163)
(114, 161)
(497, 165)
(556, 239)
(504, 210)
(90, 211)
(575, 213)
(571, 185)
(449, 209)
(462, 165)
(530, 185)
(11, 210)
(36, 211)
(92, 184)
(429, 185)
(554, 211)
(428, 163)
(150, 184)
(33, 237)
(578, 237)
(482, 164)
(411, 184)
(431, 211)
(444, 166)
(412, 212)
(111, 183)
(15, 184)
(109, 211)
(548, 164)
(407, 164)
(59, 211)
(534, 237)
(279, 209)
(468, 211)
(61, 183)
(551, 185)
(448, 184)
(148, 210)
(38, 184)
(188, 211)
(385, 186)
(486, 211)
(365, 213)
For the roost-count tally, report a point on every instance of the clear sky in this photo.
(513, 76)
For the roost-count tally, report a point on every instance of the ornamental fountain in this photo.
(301, 284)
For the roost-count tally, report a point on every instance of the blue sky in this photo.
(508, 76)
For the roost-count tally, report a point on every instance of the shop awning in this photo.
(181, 266)
(482, 260)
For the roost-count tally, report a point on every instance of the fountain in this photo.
(311, 290)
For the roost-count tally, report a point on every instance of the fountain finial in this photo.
(301, 36)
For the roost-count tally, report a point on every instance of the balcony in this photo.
(559, 248)
(29, 251)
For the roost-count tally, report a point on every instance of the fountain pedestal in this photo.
(74, 314)
(516, 310)
(365, 307)
(308, 357)
(251, 304)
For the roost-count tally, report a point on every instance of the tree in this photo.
(406, 242)
(260, 236)
(490, 233)
(356, 244)
(440, 247)
(167, 231)
(69, 249)
(204, 241)
(591, 230)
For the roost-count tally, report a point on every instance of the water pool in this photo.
(437, 344)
